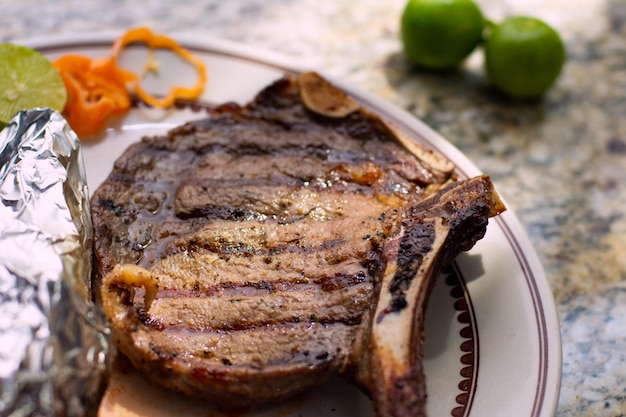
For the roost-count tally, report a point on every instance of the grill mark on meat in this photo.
(306, 341)
(221, 244)
(275, 201)
(274, 187)
(258, 308)
(326, 283)
(247, 249)
(326, 216)
(206, 184)
(204, 271)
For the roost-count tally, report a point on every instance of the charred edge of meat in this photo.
(467, 224)
(414, 245)
(408, 398)
(393, 371)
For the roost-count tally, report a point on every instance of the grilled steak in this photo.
(246, 257)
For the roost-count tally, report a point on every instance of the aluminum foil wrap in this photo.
(54, 350)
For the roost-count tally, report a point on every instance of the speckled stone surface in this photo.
(559, 162)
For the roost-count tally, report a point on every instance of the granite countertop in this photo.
(559, 161)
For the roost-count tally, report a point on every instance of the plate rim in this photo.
(544, 307)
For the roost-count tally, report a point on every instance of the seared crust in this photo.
(265, 236)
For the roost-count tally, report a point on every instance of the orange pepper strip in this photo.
(96, 91)
(145, 35)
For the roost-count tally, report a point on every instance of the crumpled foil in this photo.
(54, 347)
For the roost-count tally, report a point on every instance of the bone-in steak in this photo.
(246, 257)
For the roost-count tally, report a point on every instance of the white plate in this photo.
(492, 335)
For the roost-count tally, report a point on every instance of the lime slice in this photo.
(439, 34)
(27, 80)
(523, 56)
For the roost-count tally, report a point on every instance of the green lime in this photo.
(439, 34)
(27, 80)
(523, 56)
